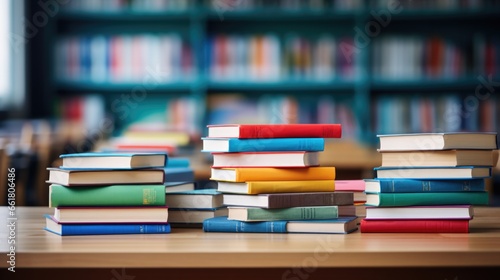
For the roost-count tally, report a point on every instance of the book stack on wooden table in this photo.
(108, 193)
(429, 182)
(272, 181)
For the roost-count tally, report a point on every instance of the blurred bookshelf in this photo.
(375, 66)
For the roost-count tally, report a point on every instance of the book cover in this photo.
(115, 214)
(285, 200)
(459, 172)
(179, 174)
(414, 226)
(262, 145)
(178, 162)
(440, 212)
(107, 160)
(179, 216)
(114, 195)
(350, 185)
(265, 159)
(52, 225)
(450, 158)
(248, 214)
(195, 199)
(258, 187)
(272, 174)
(437, 141)
(427, 198)
(87, 177)
(416, 186)
(275, 130)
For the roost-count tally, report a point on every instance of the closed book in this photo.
(249, 214)
(114, 195)
(422, 185)
(459, 172)
(178, 162)
(285, 200)
(414, 226)
(257, 187)
(266, 159)
(104, 160)
(275, 130)
(272, 174)
(194, 216)
(179, 174)
(416, 199)
(195, 199)
(438, 158)
(341, 225)
(87, 177)
(171, 187)
(350, 185)
(420, 212)
(359, 197)
(54, 226)
(262, 145)
(118, 214)
(437, 141)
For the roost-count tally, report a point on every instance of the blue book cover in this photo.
(178, 162)
(415, 185)
(104, 229)
(222, 224)
(263, 145)
(179, 174)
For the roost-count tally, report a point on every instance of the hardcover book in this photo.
(54, 226)
(179, 174)
(437, 141)
(266, 159)
(285, 200)
(178, 216)
(459, 172)
(427, 198)
(341, 225)
(263, 145)
(350, 185)
(275, 131)
(449, 158)
(195, 199)
(118, 214)
(103, 160)
(86, 177)
(272, 174)
(114, 195)
(422, 185)
(420, 212)
(252, 214)
(414, 226)
(258, 187)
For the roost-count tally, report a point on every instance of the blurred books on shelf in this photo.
(135, 5)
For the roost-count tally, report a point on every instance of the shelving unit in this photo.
(200, 22)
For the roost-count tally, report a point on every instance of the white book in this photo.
(420, 212)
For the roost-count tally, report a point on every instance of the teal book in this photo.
(426, 198)
(52, 225)
(174, 162)
(113, 160)
(248, 214)
(341, 225)
(416, 186)
(263, 145)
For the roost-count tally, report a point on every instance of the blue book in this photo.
(416, 186)
(178, 162)
(263, 145)
(52, 225)
(110, 160)
(179, 174)
(339, 225)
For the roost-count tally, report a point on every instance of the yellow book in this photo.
(272, 174)
(258, 187)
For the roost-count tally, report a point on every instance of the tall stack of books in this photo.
(272, 181)
(429, 182)
(108, 193)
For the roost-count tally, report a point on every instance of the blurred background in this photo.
(82, 75)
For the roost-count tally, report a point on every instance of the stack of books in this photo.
(272, 181)
(108, 193)
(429, 182)
(357, 188)
(179, 175)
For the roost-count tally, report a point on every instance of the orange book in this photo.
(272, 174)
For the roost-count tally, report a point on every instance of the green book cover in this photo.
(115, 195)
(293, 213)
(416, 199)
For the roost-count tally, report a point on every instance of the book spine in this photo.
(279, 174)
(311, 199)
(448, 198)
(414, 226)
(291, 186)
(294, 213)
(289, 131)
(107, 196)
(407, 186)
(90, 229)
(224, 225)
(277, 144)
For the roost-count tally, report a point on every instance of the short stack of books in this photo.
(108, 193)
(429, 182)
(272, 182)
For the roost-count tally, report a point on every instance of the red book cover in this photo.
(247, 131)
(414, 226)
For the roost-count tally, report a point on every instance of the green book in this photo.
(415, 199)
(114, 195)
(293, 213)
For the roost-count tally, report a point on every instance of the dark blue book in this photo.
(179, 174)
(52, 225)
(339, 225)
(263, 145)
(416, 186)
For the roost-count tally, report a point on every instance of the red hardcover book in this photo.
(275, 131)
(414, 226)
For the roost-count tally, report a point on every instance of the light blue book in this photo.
(263, 145)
